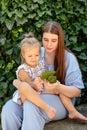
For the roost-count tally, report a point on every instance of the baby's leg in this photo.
(73, 113)
(33, 96)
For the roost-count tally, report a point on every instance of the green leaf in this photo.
(2, 64)
(2, 78)
(9, 24)
(40, 14)
(34, 6)
(4, 4)
(9, 13)
(63, 17)
(52, 79)
(73, 39)
(38, 1)
(77, 26)
(9, 52)
(2, 41)
(77, 49)
(31, 16)
(15, 33)
(84, 68)
(21, 21)
(3, 85)
(1, 94)
(24, 7)
(85, 30)
(82, 56)
(19, 13)
(20, 30)
(85, 23)
(46, 74)
(9, 66)
(49, 13)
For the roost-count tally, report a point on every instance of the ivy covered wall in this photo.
(21, 16)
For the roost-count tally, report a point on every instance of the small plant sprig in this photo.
(49, 75)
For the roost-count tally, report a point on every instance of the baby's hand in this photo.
(38, 83)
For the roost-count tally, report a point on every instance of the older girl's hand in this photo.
(50, 87)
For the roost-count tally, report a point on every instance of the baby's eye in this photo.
(29, 56)
(45, 40)
(37, 55)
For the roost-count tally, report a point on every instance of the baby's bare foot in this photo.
(50, 111)
(77, 115)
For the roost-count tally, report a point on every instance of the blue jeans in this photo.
(28, 116)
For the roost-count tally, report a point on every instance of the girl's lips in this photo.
(49, 48)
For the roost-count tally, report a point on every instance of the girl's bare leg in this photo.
(33, 96)
(73, 113)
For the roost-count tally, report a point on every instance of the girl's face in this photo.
(50, 42)
(31, 56)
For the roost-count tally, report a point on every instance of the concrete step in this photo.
(68, 124)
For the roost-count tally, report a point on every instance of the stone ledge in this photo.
(68, 124)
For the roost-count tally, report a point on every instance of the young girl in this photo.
(30, 55)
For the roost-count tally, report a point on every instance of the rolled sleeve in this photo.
(73, 75)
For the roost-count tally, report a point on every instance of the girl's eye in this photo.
(54, 40)
(46, 40)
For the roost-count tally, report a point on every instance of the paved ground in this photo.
(68, 124)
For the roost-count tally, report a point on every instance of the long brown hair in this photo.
(59, 62)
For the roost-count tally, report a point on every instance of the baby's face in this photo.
(32, 56)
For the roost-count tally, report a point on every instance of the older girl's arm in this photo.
(58, 88)
(69, 91)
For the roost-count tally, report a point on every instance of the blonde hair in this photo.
(28, 41)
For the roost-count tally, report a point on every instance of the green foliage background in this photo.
(21, 16)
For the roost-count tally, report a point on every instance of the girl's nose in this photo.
(49, 44)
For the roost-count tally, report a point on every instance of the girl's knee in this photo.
(29, 105)
(6, 108)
